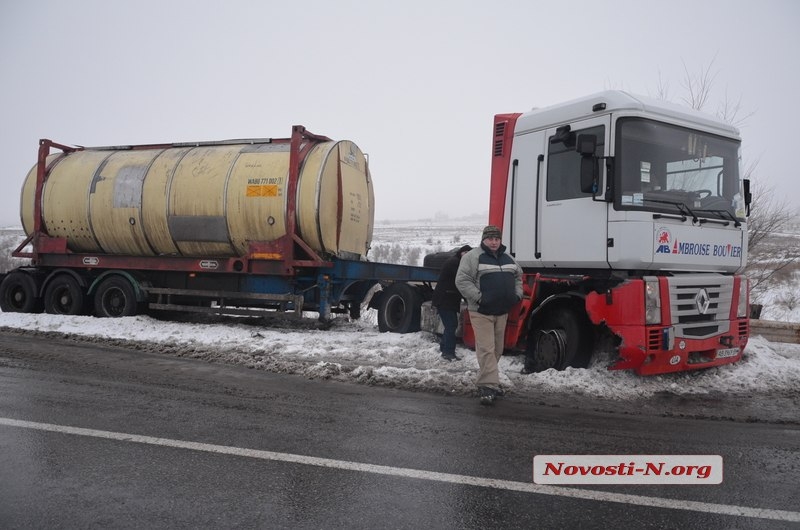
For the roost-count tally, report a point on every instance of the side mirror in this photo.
(748, 197)
(564, 135)
(586, 145)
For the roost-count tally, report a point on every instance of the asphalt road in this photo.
(93, 436)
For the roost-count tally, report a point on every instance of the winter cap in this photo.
(491, 231)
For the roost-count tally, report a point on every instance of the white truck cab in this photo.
(628, 216)
(668, 192)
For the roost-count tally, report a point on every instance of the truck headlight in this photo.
(652, 301)
(744, 287)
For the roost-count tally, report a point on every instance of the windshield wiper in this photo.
(723, 213)
(682, 208)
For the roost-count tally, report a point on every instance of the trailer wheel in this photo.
(64, 296)
(114, 298)
(399, 309)
(562, 339)
(18, 294)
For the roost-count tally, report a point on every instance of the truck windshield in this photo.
(671, 169)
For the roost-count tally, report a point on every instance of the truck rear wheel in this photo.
(563, 338)
(19, 294)
(114, 298)
(64, 296)
(399, 309)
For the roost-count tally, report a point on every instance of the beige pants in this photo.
(490, 331)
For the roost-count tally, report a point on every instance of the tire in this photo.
(19, 294)
(64, 296)
(563, 338)
(115, 298)
(399, 309)
(437, 259)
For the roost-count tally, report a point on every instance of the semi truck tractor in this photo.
(627, 215)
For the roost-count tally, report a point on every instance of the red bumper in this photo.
(655, 349)
(651, 350)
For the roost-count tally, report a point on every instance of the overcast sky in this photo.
(414, 83)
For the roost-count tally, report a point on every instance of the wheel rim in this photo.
(551, 348)
(395, 311)
(114, 302)
(63, 301)
(17, 297)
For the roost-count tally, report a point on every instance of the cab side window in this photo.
(564, 165)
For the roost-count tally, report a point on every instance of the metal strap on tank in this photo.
(245, 141)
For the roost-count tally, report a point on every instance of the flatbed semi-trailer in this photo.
(236, 227)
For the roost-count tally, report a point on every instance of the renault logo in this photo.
(702, 301)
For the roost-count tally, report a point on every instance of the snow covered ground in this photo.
(356, 351)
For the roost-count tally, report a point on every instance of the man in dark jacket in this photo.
(447, 300)
(491, 283)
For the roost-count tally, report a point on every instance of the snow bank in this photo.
(356, 351)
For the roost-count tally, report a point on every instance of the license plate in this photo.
(727, 352)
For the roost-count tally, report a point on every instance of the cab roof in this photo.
(619, 102)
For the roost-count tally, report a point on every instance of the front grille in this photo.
(684, 293)
(704, 331)
(689, 319)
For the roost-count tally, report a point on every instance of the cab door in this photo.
(573, 226)
(522, 210)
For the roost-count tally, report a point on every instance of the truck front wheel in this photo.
(399, 309)
(115, 297)
(562, 338)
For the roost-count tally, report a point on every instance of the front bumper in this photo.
(651, 350)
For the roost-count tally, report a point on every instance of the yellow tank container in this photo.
(204, 201)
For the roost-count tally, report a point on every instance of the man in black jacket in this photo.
(447, 300)
(491, 282)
